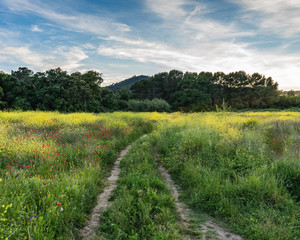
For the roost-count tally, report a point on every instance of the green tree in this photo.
(193, 92)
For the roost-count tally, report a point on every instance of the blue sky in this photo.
(121, 38)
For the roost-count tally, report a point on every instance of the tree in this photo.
(193, 92)
(291, 93)
(2, 104)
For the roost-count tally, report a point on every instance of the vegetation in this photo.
(203, 91)
(53, 166)
(242, 168)
(56, 90)
(142, 206)
(53, 90)
(154, 105)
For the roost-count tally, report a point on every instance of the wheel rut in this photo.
(89, 231)
(210, 229)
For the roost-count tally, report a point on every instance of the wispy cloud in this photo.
(80, 22)
(168, 9)
(68, 58)
(187, 35)
(192, 22)
(278, 16)
(210, 56)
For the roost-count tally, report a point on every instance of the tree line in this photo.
(203, 91)
(56, 90)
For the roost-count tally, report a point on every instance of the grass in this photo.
(142, 206)
(242, 168)
(53, 166)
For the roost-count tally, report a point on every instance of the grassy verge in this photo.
(53, 166)
(142, 206)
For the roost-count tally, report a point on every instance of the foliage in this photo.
(56, 90)
(201, 92)
(53, 90)
(154, 105)
(289, 100)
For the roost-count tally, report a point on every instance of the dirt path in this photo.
(210, 229)
(89, 231)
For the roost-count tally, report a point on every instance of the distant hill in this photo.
(126, 83)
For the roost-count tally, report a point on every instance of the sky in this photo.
(122, 38)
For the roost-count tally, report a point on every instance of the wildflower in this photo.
(52, 177)
(59, 204)
(0, 179)
(274, 139)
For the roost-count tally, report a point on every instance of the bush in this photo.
(155, 105)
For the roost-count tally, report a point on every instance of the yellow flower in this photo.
(0, 179)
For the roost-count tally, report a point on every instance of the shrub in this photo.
(155, 105)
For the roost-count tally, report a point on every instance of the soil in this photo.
(89, 231)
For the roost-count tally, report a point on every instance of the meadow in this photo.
(241, 168)
(53, 166)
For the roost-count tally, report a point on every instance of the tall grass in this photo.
(242, 168)
(53, 166)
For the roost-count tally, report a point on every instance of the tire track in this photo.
(184, 212)
(89, 231)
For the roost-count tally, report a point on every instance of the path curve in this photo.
(89, 231)
(184, 213)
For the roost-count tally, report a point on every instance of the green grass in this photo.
(142, 206)
(251, 181)
(51, 172)
(242, 168)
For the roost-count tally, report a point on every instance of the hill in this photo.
(127, 83)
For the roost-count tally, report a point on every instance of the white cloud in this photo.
(279, 16)
(168, 9)
(77, 21)
(23, 54)
(35, 28)
(193, 24)
(68, 58)
(133, 42)
(212, 56)
(190, 40)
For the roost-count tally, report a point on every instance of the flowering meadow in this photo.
(53, 166)
(241, 168)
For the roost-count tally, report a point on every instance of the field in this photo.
(243, 169)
